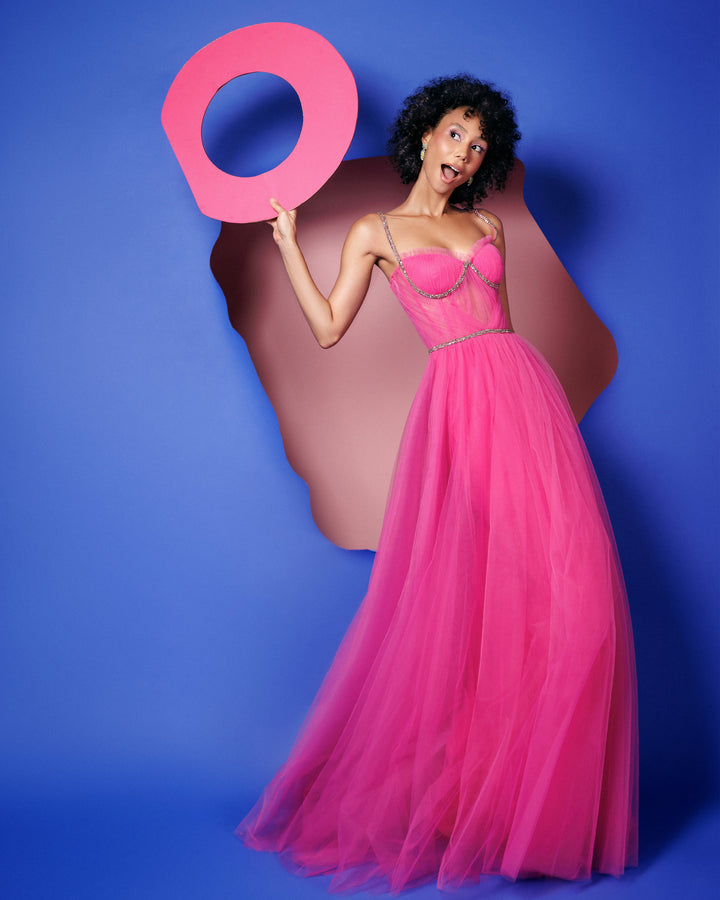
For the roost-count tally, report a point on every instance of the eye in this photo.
(479, 148)
(455, 135)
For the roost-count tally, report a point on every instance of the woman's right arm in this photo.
(328, 317)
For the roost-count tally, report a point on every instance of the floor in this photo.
(146, 843)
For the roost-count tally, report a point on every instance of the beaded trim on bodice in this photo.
(467, 264)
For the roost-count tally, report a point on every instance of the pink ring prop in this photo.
(328, 95)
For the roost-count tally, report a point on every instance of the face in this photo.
(455, 149)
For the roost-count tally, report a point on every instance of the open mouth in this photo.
(449, 172)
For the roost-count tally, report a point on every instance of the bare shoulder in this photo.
(367, 235)
(484, 215)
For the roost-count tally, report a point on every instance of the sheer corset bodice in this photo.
(464, 288)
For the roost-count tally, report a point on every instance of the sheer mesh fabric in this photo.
(480, 715)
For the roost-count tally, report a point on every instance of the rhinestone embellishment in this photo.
(467, 264)
(466, 337)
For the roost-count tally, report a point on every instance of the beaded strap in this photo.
(476, 212)
(466, 337)
(390, 238)
(466, 265)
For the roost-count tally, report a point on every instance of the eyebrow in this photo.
(462, 128)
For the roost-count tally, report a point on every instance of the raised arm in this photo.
(328, 317)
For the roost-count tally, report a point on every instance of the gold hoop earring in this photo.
(422, 152)
(469, 181)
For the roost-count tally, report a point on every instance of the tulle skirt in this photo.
(480, 716)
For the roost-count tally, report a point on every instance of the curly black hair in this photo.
(425, 108)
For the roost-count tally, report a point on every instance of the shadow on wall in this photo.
(568, 214)
(678, 772)
(341, 412)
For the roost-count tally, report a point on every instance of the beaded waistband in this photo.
(466, 337)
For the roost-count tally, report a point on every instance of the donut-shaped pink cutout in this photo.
(328, 96)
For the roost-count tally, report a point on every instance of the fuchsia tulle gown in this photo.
(480, 716)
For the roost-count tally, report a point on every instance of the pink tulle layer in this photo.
(480, 715)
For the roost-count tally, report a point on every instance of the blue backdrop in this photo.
(168, 607)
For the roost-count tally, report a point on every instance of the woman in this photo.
(480, 714)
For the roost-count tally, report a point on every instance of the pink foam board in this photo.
(328, 96)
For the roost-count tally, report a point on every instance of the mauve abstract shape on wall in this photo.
(341, 411)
